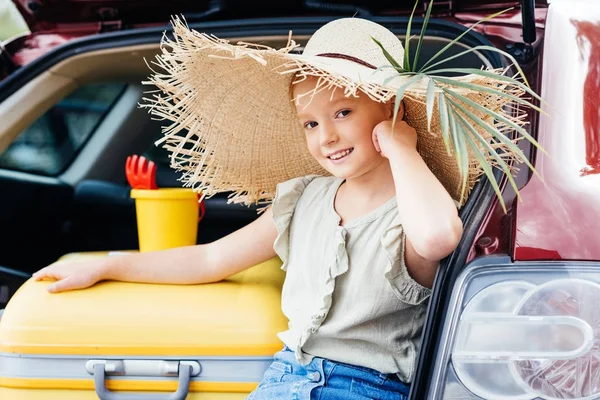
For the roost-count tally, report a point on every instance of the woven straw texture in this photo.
(233, 127)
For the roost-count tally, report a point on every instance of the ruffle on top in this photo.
(404, 286)
(337, 267)
(284, 205)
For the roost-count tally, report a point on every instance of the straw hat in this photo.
(233, 124)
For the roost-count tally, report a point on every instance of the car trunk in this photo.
(55, 22)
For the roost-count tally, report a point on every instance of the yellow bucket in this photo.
(166, 217)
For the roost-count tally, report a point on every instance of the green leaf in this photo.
(490, 150)
(496, 134)
(391, 78)
(462, 53)
(388, 56)
(510, 57)
(460, 152)
(407, 38)
(443, 111)
(492, 49)
(399, 71)
(486, 89)
(488, 74)
(442, 51)
(497, 116)
(423, 28)
(489, 173)
(430, 100)
(400, 95)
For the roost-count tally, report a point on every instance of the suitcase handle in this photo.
(103, 393)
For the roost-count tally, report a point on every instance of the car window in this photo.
(52, 141)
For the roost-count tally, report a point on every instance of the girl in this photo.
(360, 240)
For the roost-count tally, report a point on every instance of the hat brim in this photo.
(234, 127)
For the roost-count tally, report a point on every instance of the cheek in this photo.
(364, 135)
(313, 144)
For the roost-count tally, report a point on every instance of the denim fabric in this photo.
(322, 379)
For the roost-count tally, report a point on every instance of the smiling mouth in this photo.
(341, 154)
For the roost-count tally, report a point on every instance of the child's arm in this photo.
(428, 213)
(211, 262)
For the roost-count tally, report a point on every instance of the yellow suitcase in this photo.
(129, 341)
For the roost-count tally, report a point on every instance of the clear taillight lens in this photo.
(522, 332)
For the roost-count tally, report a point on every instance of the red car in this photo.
(513, 313)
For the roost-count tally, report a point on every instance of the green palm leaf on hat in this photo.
(470, 131)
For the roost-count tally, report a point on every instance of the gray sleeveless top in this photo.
(347, 293)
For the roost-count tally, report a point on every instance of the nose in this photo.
(327, 135)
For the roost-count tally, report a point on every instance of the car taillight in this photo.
(525, 331)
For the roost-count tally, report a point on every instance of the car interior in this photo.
(64, 138)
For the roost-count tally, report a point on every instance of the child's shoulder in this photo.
(309, 188)
(321, 182)
(304, 183)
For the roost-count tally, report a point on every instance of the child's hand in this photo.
(387, 141)
(70, 276)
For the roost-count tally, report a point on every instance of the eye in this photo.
(343, 113)
(310, 124)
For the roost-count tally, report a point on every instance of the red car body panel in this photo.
(557, 218)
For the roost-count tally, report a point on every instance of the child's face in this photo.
(339, 129)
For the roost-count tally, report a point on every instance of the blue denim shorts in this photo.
(322, 379)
